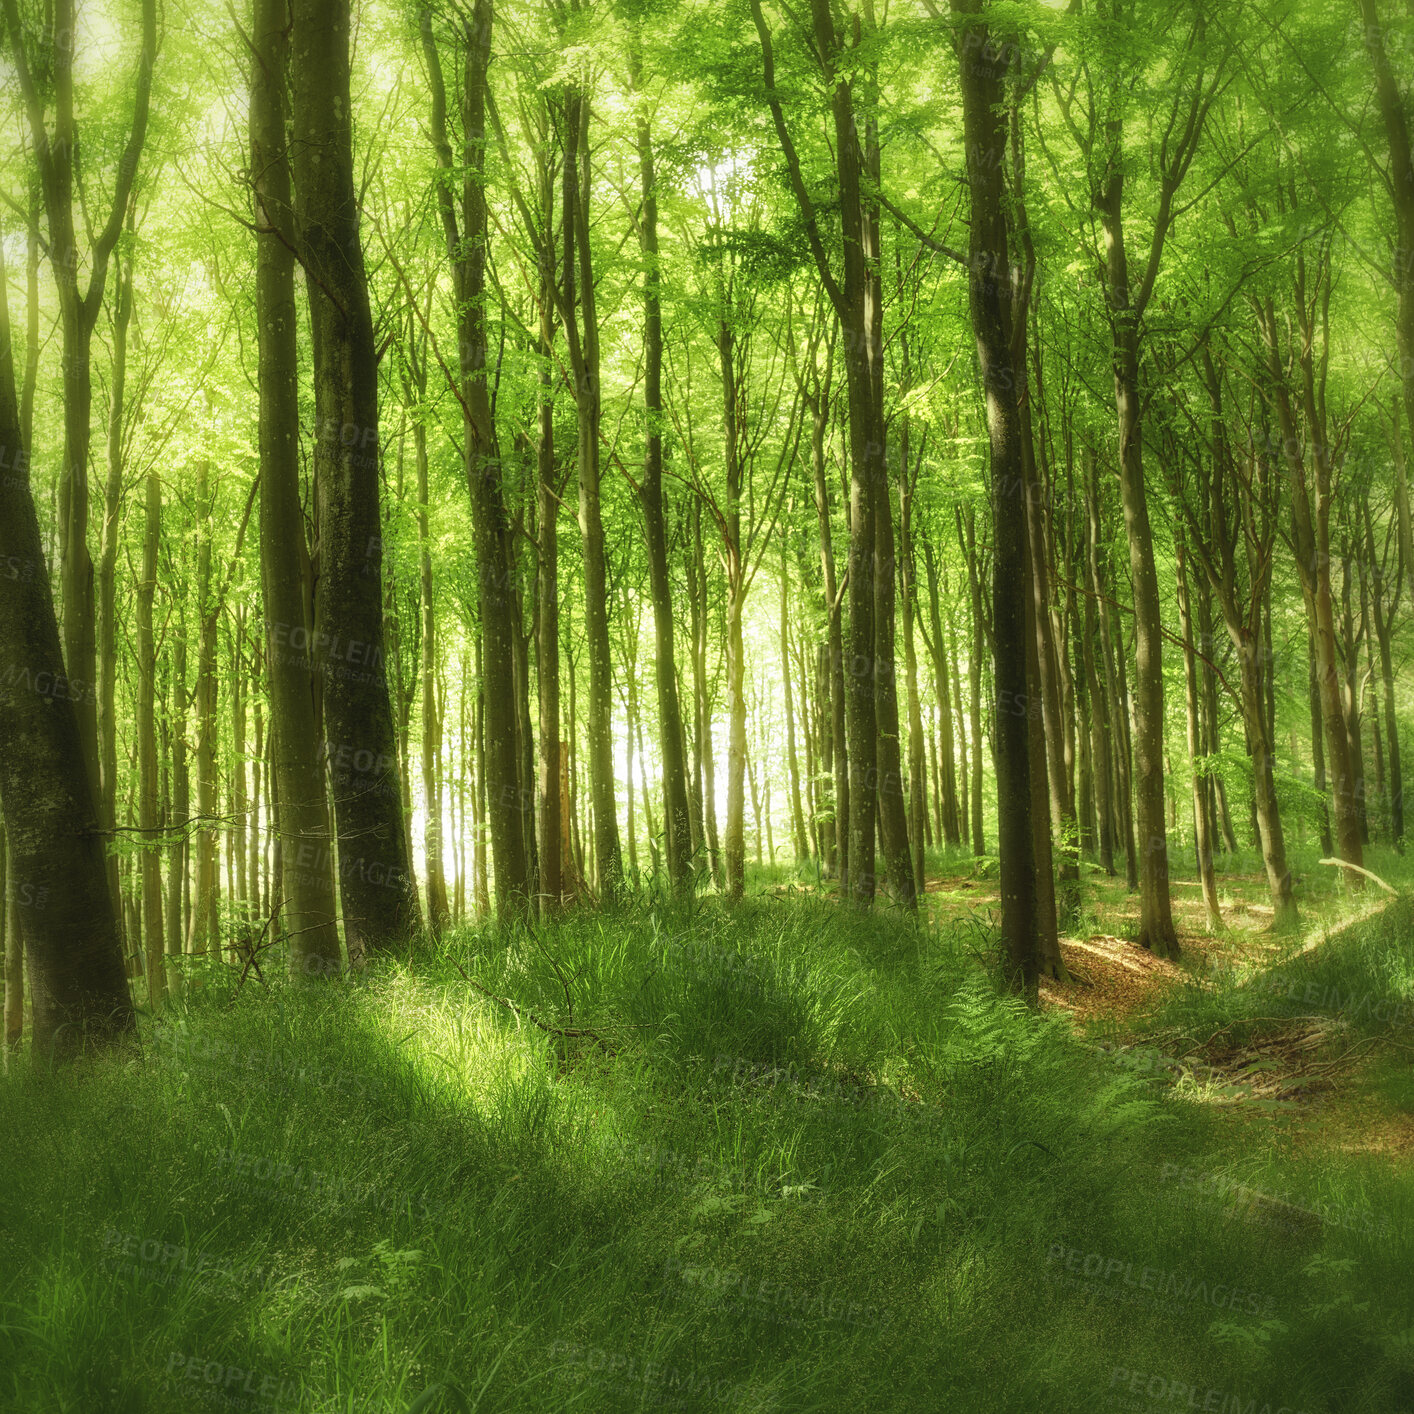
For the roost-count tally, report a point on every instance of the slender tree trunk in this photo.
(1203, 843)
(108, 563)
(437, 912)
(974, 684)
(508, 797)
(582, 337)
(205, 930)
(672, 751)
(1156, 930)
(1383, 637)
(837, 738)
(14, 1024)
(1351, 694)
(952, 833)
(797, 814)
(1061, 801)
(147, 820)
(1099, 704)
(1040, 815)
(917, 758)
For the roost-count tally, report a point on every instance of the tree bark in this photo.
(582, 338)
(66, 912)
(672, 750)
(983, 66)
(380, 904)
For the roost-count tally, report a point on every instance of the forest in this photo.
(701, 706)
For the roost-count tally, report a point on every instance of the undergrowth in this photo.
(784, 1158)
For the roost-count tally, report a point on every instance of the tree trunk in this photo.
(301, 814)
(983, 69)
(14, 1024)
(797, 813)
(147, 818)
(836, 737)
(672, 751)
(205, 929)
(1203, 843)
(108, 564)
(917, 759)
(974, 682)
(1383, 637)
(1156, 930)
(508, 797)
(58, 876)
(380, 905)
(952, 833)
(582, 337)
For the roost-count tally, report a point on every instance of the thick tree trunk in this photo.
(56, 157)
(380, 905)
(983, 68)
(66, 914)
(301, 814)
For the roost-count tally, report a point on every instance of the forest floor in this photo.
(1316, 1082)
(777, 1159)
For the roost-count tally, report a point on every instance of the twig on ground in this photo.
(572, 1033)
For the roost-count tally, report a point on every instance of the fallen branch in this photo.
(573, 1033)
(1356, 868)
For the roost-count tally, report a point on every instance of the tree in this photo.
(380, 906)
(55, 849)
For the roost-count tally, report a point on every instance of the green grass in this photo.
(807, 1161)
